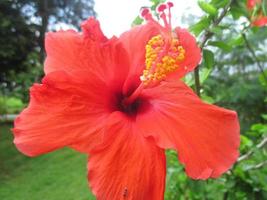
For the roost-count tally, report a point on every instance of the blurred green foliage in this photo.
(10, 105)
(230, 76)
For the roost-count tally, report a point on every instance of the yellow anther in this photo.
(157, 49)
(175, 42)
(165, 59)
(153, 56)
(180, 57)
(180, 48)
(162, 58)
(145, 72)
(174, 49)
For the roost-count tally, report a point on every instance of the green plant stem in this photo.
(197, 81)
(254, 56)
(260, 145)
(207, 35)
(258, 166)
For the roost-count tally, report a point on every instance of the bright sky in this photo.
(116, 16)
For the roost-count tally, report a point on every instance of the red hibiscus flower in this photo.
(120, 100)
(257, 18)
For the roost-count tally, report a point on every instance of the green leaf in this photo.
(222, 45)
(239, 172)
(138, 20)
(255, 29)
(208, 58)
(204, 74)
(219, 3)
(207, 99)
(217, 30)
(238, 12)
(261, 128)
(200, 26)
(264, 116)
(189, 79)
(238, 41)
(245, 142)
(208, 8)
(262, 78)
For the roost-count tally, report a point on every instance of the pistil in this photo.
(129, 100)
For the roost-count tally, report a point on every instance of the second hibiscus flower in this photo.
(120, 100)
(256, 7)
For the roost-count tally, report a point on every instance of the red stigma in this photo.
(164, 12)
(161, 7)
(144, 12)
(170, 4)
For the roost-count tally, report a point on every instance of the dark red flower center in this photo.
(139, 105)
(131, 109)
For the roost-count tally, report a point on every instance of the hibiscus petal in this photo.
(205, 136)
(251, 4)
(91, 28)
(62, 50)
(192, 53)
(71, 51)
(260, 21)
(129, 167)
(64, 110)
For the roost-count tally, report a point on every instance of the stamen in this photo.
(170, 5)
(163, 56)
(164, 18)
(164, 53)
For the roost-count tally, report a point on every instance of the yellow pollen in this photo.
(162, 58)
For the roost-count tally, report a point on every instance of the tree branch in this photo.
(252, 52)
(207, 35)
(249, 153)
(260, 145)
(258, 166)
